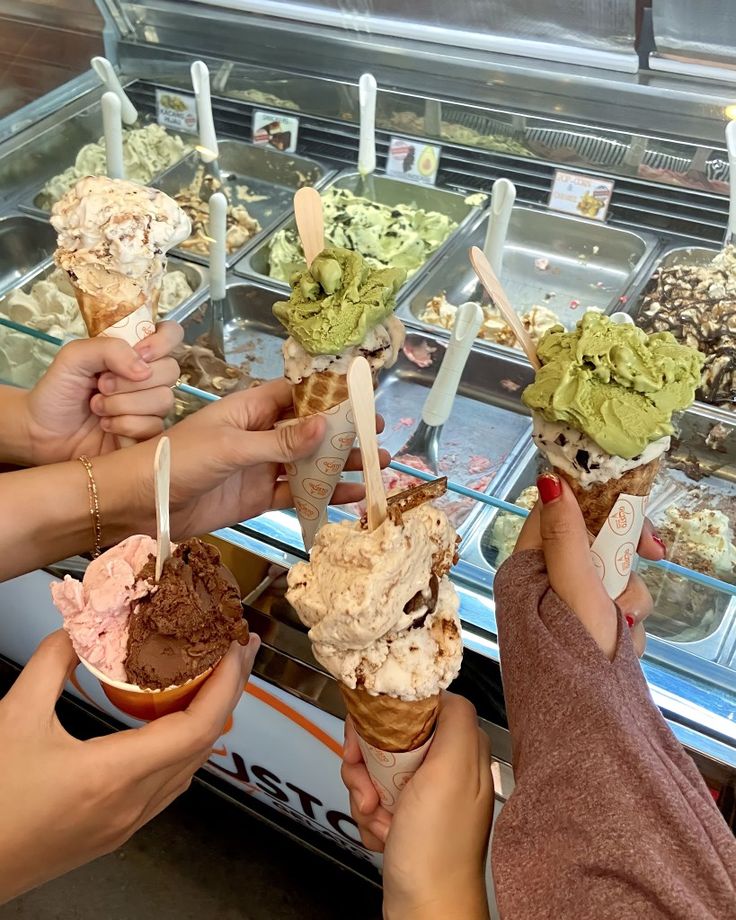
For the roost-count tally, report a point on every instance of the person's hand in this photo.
(100, 388)
(64, 801)
(227, 460)
(435, 843)
(556, 526)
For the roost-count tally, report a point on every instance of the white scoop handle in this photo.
(208, 151)
(731, 145)
(367, 89)
(113, 130)
(441, 397)
(106, 72)
(503, 197)
(218, 251)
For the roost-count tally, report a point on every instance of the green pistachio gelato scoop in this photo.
(338, 301)
(614, 382)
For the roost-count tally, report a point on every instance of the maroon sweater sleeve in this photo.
(609, 819)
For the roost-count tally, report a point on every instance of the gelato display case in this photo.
(509, 112)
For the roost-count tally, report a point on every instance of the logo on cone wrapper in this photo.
(317, 487)
(621, 518)
(144, 329)
(344, 440)
(330, 466)
(625, 558)
(306, 509)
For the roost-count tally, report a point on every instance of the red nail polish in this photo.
(550, 487)
(660, 543)
(629, 621)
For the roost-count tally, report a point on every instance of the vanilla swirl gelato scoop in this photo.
(113, 236)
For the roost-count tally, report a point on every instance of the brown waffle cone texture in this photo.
(597, 500)
(319, 392)
(99, 313)
(390, 724)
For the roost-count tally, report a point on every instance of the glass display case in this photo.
(518, 117)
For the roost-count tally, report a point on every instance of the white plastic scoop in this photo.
(424, 443)
(731, 145)
(218, 266)
(113, 131)
(208, 150)
(106, 72)
(503, 197)
(367, 90)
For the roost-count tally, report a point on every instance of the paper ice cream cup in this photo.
(313, 480)
(145, 704)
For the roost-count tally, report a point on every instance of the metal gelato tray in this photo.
(673, 254)
(25, 242)
(271, 178)
(560, 262)
(47, 155)
(196, 276)
(695, 477)
(477, 442)
(383, 190)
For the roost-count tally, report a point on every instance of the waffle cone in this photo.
(319, 392)
(598, 499)
(99, 314)
(390, 724)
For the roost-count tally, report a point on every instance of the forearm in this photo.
(46, 511)
(14, 438)
(470, 902)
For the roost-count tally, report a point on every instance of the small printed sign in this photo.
(413, 160)
(176, 111)
(272, 130)
(585, 196)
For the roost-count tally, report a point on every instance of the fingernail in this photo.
(106, 384)
(144, 352)
(629, 621)
(105, 424)
(359, 800)
(550, 487)
(660, 543)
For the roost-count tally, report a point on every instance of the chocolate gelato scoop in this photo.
(188, 620)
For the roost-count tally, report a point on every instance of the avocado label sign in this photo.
(413, 160)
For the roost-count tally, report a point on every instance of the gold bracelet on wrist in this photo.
(94, 506)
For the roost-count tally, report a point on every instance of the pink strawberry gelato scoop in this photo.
(97, 610)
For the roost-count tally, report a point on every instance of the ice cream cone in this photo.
(597, 500)
(313, 480)
(391, 724)
(319, 392)
(117, 319)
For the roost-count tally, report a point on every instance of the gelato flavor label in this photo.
(176, 111)
(413, 160)
(313, 479)
(391, 772)
(584, 196)
(132, 328)
(614, 549)
(273, 130)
